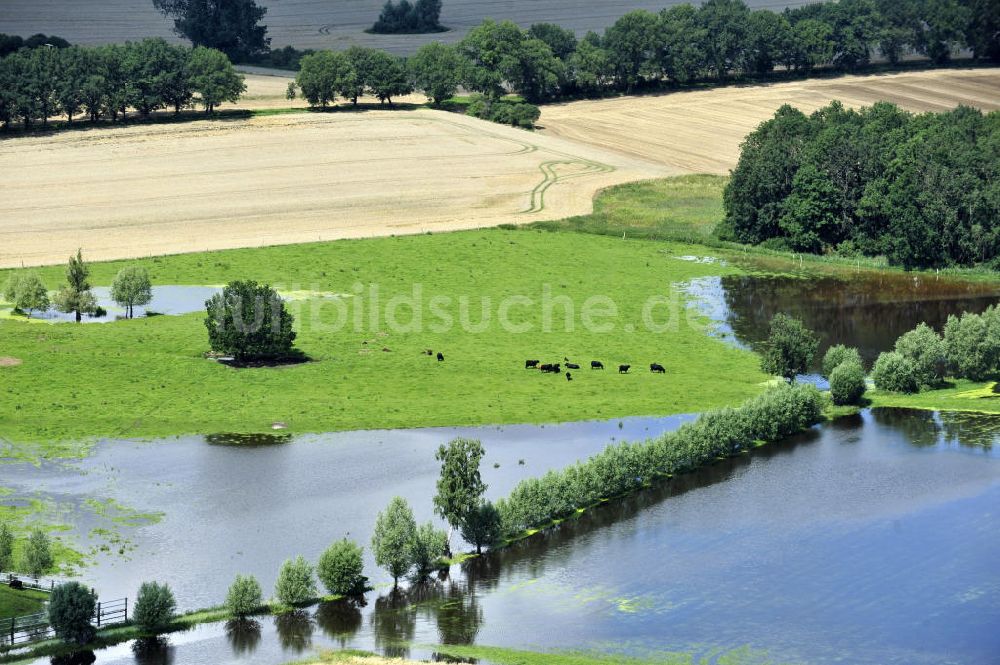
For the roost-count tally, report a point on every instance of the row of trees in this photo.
(969, 348)
(27, 293)
(921, 190)
(12, 43)
(625, 467)
(106, 81)
(33, 557)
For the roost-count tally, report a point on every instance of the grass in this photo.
(958, 395)
(18, 603)
(147, 377)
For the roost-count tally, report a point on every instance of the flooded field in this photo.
(869, 540)
(867, 311)
(166, 300)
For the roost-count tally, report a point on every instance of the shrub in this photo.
(131, 287)
(926, 350)
(71, 608)
(427, 547)
(6, 547)
(505, 112)
(836, 355)
(341, 569)
(249, 322)
(244, 596)
(154, 607)
(972, 344)
(404, 17)
(847, 383)
(26, 292)
(895, 372)
(296, 583)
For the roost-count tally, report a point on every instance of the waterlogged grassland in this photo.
(958, 395)
(147, 377)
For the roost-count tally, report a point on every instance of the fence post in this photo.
(98, 614)
(126, 608)
(12, 624)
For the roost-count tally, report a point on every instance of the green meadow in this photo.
(148, 377)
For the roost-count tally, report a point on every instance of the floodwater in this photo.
(868, 310)
(874, 539)
(166, 300)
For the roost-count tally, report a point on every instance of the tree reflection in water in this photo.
(340, 620)
(394, 622)
(295, 630)
(153, 651)
(243, 636)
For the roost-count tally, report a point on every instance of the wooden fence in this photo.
(34, 627)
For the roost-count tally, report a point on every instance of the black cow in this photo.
(546, 367)
(16, 584)
(623, 369)
(572, 366)
(569, 377)
(657, 368)
(530, 364)
(428, 352)
(550, 368)
(440, 357)
(596, 364)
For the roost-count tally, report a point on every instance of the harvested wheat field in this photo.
(331, 24)
(168, 188)
(701, 130)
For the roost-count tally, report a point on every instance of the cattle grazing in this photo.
(16, 584)
(572, 366)
(440, 357)
(657, 368)
(623, 369)
(550, 368)
(596, 364)
(428, 352)
(530, 364)
(569, 377)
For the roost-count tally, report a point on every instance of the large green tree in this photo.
(460, 486)
(435, 68)
(321, 76)
(789, 349)
(6, 548)
(631, 45)
(26, 292)
(231, 26)
(212, 76)
(249, 321)
(71, 609)
(36, 557)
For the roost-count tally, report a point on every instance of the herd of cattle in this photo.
(556, 368)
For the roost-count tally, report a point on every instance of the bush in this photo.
(427, 547)
(404, 17)
(296, 584)
(972, 344)
(249, 322)
(625, 467)
(26, 293)
(341, 569)
(847, 383)
(244, 596)
(392, 541)
(71, 608)
(505, 112)
(926, 350)
(896, 373)
(154, 607)
(481, 526)
(836, 355)
(790, 347)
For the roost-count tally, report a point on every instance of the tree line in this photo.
(37, 84)
(404, 17)
(921, 190)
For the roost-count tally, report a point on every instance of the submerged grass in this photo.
(958, 395)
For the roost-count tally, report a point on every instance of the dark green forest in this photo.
(404, 17)
(921, 190)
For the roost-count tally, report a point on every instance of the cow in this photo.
(428, 352)
(572, 366)
(596, 364)
(623, 369)
(530, 364)
(550, 368)
(440, 357)
(569, 377)
(16, 584)
(657, 368)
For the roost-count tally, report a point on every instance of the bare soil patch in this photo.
(8, 361)
(701, 131)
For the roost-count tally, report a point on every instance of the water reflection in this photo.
(867, 311)
(943, 429)
(153, 651)
(295, 630)
(243, 635)
(75, 658)
(393, 622)
(340, 620)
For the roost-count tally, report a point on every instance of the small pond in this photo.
(166, 300)
(870, 540)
